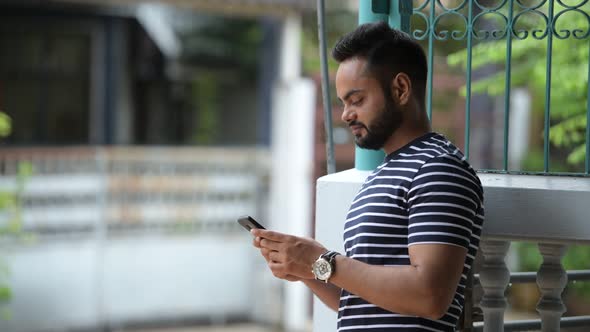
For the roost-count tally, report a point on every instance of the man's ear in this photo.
(401, 89)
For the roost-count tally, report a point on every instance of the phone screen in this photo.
(249, 223)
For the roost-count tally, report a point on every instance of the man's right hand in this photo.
(266, 254)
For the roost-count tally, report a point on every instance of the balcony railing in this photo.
(121, 189)
(549, 211)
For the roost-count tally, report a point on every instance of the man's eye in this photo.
(358, 102)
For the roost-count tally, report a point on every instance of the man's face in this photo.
(372, 115)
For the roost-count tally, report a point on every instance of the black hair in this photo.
(387, 52)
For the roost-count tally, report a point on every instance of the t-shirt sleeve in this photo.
(443, 202)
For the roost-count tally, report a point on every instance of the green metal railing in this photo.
(513, 24)
(508, 13)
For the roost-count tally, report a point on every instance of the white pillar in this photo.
(551, 279)
(520, 122)
(494, 278)
(290, 49)
(291, 202)
(292, 147)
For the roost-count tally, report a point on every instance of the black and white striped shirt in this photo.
(425, 192)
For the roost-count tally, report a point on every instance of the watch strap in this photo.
(329, 256)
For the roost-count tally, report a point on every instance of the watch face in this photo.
(322, 269)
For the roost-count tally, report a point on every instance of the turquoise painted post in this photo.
(373, 11)
(400, 12)
(397, 13)
(370, 11)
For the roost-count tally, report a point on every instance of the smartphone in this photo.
(248, 223)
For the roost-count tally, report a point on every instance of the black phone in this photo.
(248, 223)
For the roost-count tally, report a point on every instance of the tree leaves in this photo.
(5, 124)
(529, 60)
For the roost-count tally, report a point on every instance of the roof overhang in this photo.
(225, 7)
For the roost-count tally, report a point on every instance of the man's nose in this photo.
(348, 114)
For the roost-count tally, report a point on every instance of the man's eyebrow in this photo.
(350, 93)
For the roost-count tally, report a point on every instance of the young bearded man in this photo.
(414, 228)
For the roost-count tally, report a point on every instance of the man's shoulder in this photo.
(449, 172)
(432, 147)
(442, 158)
(443, 151)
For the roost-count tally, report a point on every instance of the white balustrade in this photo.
(494, 278)
(551, 279)
(525, 208)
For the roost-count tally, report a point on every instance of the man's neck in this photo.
(404, 135)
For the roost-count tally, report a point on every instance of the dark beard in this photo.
(382, 127)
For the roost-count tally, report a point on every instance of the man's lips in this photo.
(356, 129)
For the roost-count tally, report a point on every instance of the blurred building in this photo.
(146, 74)
(150, 128)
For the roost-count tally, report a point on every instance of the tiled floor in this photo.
(235, 328)
(229, 328)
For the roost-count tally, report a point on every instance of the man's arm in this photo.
(425, 288)
(328, 293)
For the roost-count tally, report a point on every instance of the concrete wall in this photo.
(85, 283)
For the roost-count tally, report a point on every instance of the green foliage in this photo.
(338, 23)
(534, 161)
(11, 224)
(5, 293)
(576, 258)
(529, 258)
(214, 42)
(5, 125)
(569, 82)
(206, 94)
(6, 200)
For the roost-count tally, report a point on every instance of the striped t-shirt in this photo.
(425, 192)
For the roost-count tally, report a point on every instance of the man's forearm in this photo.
(329, 294)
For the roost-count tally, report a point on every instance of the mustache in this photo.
(357, 123)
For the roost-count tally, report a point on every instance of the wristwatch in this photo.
(323, 267)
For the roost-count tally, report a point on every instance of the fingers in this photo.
(256, 242)
(266, 254)
(271, 256)
(270, 235)
(274, 256)
(260, 243)
(269, 244)
(278, 270)
(286, 255)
